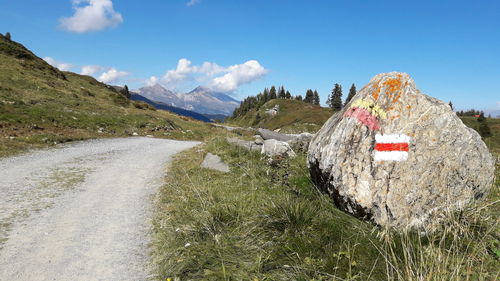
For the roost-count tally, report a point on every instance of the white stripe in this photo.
(394, 138)
(390, 155)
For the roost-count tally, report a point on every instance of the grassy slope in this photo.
(293, 117)
(40, 106)
(268, 222)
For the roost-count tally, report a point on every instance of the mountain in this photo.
(201, 100)
(41, 105)
(176, 110)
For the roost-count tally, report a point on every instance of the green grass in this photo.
(40, 106)
(266, 221)
(293, 117)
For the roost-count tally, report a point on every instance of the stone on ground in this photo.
(214, 162)
(249, 145)
(398, 157)
(274, 148)
(268, 134)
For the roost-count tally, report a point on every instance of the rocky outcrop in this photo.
(398, 157)
(268, 135)
(273, 148)
(249, 145)
(301, 141)
(273, 111)
(214, 162)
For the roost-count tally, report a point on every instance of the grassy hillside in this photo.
(41, 106)
(293, 117)
(492, 142)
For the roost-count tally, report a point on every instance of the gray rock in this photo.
(399, 157)
(250, 145)
(274, 147)
(273, 111)
(301, 141)
(213, 162)
(268, 134)
(258, 140)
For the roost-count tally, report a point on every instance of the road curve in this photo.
(81, 211)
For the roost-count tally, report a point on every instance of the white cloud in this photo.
(238, 75)
(192, 2)
(153, 80)
(112, 75)
(93, 15)
(60, 65)
(91, 69)
(224, 79)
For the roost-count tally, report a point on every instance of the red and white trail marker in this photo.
(391, 147)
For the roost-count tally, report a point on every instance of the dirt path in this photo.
(81, 212)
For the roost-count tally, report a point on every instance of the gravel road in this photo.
(81, 211)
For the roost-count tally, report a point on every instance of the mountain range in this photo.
(201, 100)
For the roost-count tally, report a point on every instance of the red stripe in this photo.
(392, 146)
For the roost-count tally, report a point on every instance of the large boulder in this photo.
(398, 157)
(273, 148)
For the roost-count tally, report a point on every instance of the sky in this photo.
(450, 48)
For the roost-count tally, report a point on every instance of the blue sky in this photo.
(450, 48)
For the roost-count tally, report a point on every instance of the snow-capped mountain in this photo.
(201, 100)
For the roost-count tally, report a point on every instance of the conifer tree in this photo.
(288, 95)
(352, 93)
(316, 98)
(272, 93)
(484, 129)
(281, 93)
(451, 105)
(336, 98)
(8, 36)
(309, 96)
(266, 95)
(298, 97)
(124, 91)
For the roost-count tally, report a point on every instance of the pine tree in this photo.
(352, 93)
(315, 98)
(124, 91)
(309, 96)
(288, 95)
(484, 129)
(336, 98)
(281, 93)
(298, 97)
(272, 93)
(266, 95)
(451, 106)
(8, 36)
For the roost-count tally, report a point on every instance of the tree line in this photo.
(255, 102)
(334, 100)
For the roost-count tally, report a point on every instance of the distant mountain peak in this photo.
(201, 99)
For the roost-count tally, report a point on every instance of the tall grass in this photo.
(266, 221)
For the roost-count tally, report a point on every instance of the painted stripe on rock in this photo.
(364, 117)
(391, 146)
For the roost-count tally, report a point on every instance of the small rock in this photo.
(213, 162)
(258, 140)
(277, 148)
(135, 134)
(301, 141)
